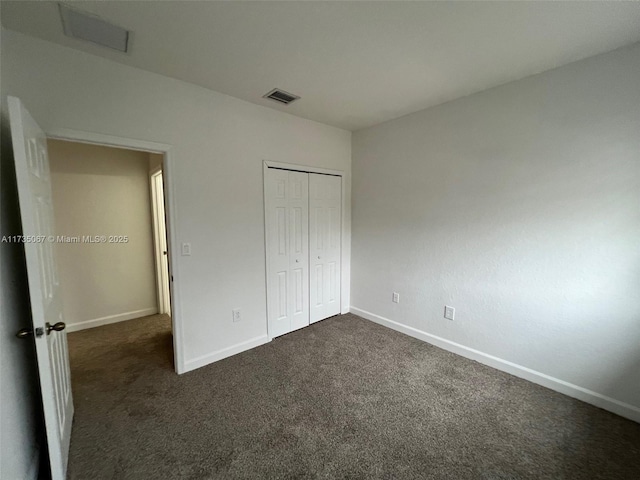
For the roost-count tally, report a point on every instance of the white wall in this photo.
(520, 207)
(20, 407)
(218, 146)
(103, 191)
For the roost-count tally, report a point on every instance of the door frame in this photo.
(159, 224)
(344, 287)
(171, 215)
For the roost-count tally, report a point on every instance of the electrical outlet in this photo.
(449, 312)
(396, 297)
(186, 249)
(237, 316)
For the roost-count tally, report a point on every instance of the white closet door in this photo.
(325, 199)
(287, 210)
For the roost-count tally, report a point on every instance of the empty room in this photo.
(320, 239)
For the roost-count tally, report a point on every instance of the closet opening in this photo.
(303, 241)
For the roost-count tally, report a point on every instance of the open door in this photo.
(160, 240)
(36, 211)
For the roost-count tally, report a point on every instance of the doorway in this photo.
(162, 213)
(106, 224)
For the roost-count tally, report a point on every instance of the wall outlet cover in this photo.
(449, 312)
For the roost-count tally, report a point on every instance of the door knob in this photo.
(58, 327)
(24, 333)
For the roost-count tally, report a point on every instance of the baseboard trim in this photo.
(120, 317)
(34, 465)
(224, 353)
(594, 398)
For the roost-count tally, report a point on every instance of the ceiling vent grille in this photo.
(93, 29)
(281, 96)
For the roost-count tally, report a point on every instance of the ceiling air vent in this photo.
(93, 29)
(281, 96)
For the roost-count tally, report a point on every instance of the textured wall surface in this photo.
(520, 207)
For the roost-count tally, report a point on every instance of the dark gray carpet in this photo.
(344, 398)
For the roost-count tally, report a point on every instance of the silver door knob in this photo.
(58, 327)
(24, 333)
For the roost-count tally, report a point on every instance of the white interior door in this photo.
(287, 230)
(160, 239)
(325, 213)
(36, 211)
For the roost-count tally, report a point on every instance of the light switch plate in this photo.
(186, 249)
(449, 312)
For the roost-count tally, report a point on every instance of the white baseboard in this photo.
(120, 317)
(224, 353)
(34, 465)
(594, 398)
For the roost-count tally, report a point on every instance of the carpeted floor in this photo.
(343, 398)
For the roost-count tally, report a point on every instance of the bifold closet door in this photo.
(287, 211)
(325, 219)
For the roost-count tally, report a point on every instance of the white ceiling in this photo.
(354, 64)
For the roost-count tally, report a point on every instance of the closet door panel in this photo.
(299, 252)
(286, 210)
(325, 200)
